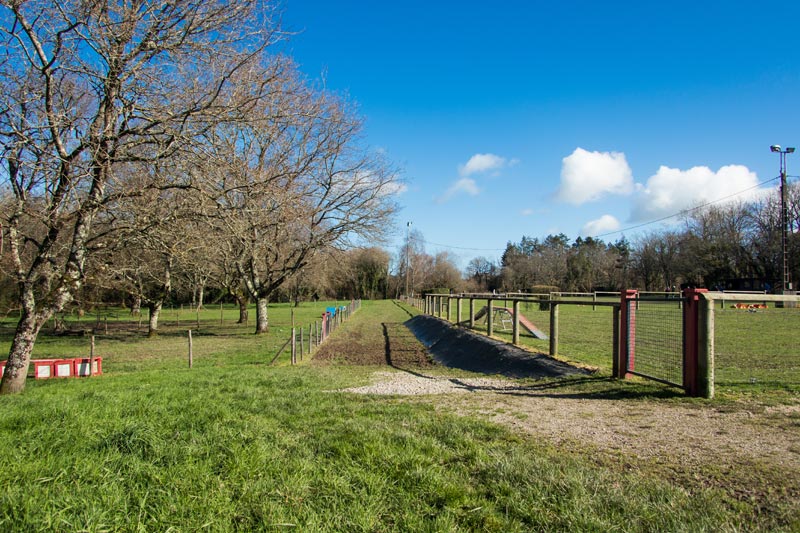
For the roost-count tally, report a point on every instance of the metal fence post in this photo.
(691, 340)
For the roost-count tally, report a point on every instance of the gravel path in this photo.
(406, 383)
(729, 446)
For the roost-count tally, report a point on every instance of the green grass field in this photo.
(237, 445)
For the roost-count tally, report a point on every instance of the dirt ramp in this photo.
(460, 348)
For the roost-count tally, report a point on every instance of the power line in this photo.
(423, 241)
(689, 210)
(629, 228)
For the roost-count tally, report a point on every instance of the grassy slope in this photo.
(237, 445)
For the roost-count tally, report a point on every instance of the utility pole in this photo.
(786, 285)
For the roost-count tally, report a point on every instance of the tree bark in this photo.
(243, 315)
(200, 296)
(19, 356)
(262, 321)
(136, 306)
(155, 311)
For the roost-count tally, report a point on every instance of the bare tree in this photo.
(87, 88)
(484, 272)
(293, 181)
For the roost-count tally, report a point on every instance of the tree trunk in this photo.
(155, 311)
(136, 306)
(201, 290)
(243, 315)
(262, 321)
(19, 356)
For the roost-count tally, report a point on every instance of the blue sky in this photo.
(528, 118)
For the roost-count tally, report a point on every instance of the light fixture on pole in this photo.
(786, 285)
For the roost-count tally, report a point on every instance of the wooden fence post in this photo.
(615, 342)
(705, 352)
(553, 328)
(490, 318)
(515, 327)
(294, 348)
(91, 357)
(471, 312)
(191, 355)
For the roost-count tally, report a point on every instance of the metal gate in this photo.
(652, 332)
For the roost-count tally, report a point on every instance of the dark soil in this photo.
(379, 343)
(461, 348)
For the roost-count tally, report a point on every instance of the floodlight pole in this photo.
(408, 254)
(786, 285)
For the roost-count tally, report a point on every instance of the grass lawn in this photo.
(236, 444)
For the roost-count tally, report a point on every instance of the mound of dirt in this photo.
(460, 348)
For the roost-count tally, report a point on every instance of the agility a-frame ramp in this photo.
(523, 321)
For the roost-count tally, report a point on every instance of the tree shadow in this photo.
(387, 343)
(601, 388)
(406, 311)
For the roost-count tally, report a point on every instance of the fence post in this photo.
(294, 348)
(615, 341)
(553, 328)
(705, 352)
(515, 327)
(490, 318)
(449, 299)
(692, 340)
(458, 309)
(191, 355)
(471, 312)
(91, 357)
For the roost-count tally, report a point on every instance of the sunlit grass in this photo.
(237, 444)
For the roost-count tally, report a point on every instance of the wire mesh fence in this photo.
(655, 337)
(757, 346)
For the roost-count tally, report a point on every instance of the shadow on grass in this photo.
(592, 387)
(406, 311)
(388, 353)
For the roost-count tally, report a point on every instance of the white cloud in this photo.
(604, 224)
(464, 185)
(483, 163)
(672, 190)
(588, 176)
